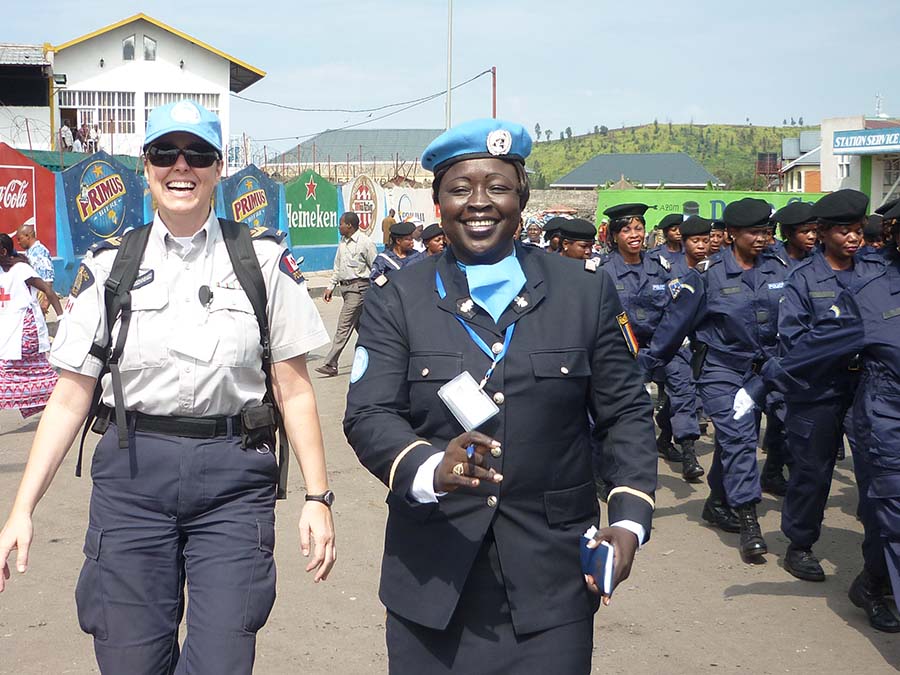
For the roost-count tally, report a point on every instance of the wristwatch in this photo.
(326, 498)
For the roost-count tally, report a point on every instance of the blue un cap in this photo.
(187, 116)
(478, 139)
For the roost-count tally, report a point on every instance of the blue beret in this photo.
(670, 221)
(578, 229)
(432, 231)
(747, 212)
(402, 229)
(842, 207)
(478, 139)
(187, 116)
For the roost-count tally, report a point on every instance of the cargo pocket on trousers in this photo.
(89, 596)
(261, 593)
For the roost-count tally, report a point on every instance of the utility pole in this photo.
(449, 56)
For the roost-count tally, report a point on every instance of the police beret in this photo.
(402, 229)
(695, 225)
(578, 229)
(873, 227)
(718, 225)
(476, 139)
(842, 207)
(432, 231)
(894, 212)
(747, 212)
(887, 206)
(554, 225)
(795, 213)
(669, 221)
(626, 211)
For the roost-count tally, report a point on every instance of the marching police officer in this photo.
(672, 237)
(716, 237)
(433, 238)
(798, 230)
(577, 238)
(191, 498)
(398, 253)
(481, 569)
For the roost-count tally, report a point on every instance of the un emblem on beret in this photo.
(499, 142)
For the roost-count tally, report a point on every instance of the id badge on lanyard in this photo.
(462, 395)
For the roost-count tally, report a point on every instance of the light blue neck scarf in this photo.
(493, 287)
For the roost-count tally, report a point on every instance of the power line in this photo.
(361, 110)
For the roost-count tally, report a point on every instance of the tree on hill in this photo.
(784, 122)
(537, 131)
(596, 129)
(800, 122)
(561, 135)
(604, 130)
(548, 133)
(568, 132)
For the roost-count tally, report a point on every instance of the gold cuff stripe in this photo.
(402, 454)
(631, 491)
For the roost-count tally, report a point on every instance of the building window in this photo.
(843, 167)
(149, 49)
(154, 99)
(891, 176)
(128, 48)
(111, 111)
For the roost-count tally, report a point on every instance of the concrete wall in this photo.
(829, 161)
(204, 73)
(583, 200)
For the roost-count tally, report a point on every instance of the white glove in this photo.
(743, 404)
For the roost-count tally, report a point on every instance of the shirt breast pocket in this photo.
(231, 318)
(560, 363)
(148, 332)
(434, 367)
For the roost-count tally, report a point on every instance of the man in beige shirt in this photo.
(386, 226)
(352, 267)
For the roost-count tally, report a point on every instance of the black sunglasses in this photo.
(196, 157)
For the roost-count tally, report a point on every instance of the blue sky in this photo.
(560, 64)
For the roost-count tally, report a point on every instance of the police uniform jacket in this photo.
(738, 314)
(387, 261)
(642, 290)
(567, 354)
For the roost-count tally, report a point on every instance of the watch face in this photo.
(328, 498)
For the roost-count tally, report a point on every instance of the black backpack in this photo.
(117, 297)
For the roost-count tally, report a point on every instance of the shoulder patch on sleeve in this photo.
(381, 280)
(675, 286)
(262, 232)
(84, 279)
(289, 266)
(592, 264)
(630, 340)
(360, 364)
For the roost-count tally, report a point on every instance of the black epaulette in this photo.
(103, 244)
(666, 265)
(592, 264)
(262, 232)
(704, 265)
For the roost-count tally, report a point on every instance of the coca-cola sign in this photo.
(17, 198)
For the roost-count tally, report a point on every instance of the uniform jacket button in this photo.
(425, 372)
(497, 347)
(564, 370)
(499, 398)
(492, 501)
(496, 452)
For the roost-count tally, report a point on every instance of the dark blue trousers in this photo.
(678, 416)
(169, 512)
(733, 471)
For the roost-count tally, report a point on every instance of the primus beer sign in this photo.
(101, 200)
(311, 203)
(250, 197)
(250, 204)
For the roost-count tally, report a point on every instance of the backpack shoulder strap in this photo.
(239, 243)
(117, 301)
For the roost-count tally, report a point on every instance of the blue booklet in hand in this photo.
(598, 562)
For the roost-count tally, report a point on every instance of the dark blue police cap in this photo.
(432, 231)
(670, 221)
(747, 212)
(842, 207)
(894, 212)
(578, 229)
(402, 229)
(718, 225)
(795, 213)
(695, 225)
(554, 225)
(873, 227)
(626, 211)
(887, 206)
(477, 139)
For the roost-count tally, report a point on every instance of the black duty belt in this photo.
(185, 427)
(354, 281)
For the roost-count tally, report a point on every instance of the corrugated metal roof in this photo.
(811, 158)
(22, 55)
(667, 168)
(381, 144)
(56, 161)
(810, 140)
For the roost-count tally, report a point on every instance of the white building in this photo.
(862, 153)
(116, 75)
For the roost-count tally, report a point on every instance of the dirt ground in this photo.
(690, 605)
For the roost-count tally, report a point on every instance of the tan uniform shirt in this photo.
(181, 357)
(354, 258)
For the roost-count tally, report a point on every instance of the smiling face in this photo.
(182, 193)
(630, 238)
(480, 209)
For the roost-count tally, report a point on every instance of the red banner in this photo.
(27, 196)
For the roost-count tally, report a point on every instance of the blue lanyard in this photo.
(481, 344)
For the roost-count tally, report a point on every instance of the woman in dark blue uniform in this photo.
(862, 319)
(481, 570)
(398, 253)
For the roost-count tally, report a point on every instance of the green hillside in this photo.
(727, 151)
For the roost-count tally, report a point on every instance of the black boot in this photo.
(772, 479)
(803, 564)
(752, 544)
(718, 514)
(665, 448)
(865, 593)
(690, 467)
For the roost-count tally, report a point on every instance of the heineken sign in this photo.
(311, 203)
